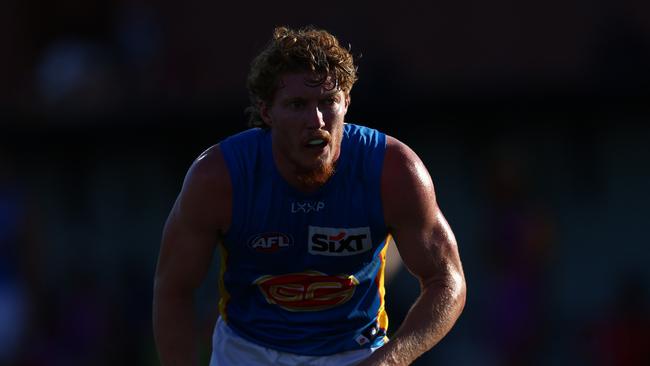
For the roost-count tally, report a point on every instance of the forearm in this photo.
(427, 322)
(174, 330)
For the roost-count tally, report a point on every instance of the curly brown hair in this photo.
(306, 49)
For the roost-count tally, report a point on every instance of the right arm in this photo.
(196, 223)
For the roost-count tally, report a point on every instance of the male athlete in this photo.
(302, 207)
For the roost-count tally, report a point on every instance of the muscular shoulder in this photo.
(403, 168)
(206, 194)
(407, 189)
(209, 168)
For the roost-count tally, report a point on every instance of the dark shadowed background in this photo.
(532, 118)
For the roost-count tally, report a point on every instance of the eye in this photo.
(329, 101)
(296, 104)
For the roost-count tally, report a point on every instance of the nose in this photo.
(315, 119)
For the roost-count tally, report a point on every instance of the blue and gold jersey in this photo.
(304, 273)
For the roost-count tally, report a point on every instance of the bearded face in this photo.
(306, 121)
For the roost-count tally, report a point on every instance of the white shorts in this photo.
(229, 349)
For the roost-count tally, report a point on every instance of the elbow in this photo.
(453, 290)
(460, 294)
(458, 289)
(160, 285)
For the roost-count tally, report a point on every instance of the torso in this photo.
(303, 273)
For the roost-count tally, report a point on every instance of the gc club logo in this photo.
(269, 242)
(307, 291)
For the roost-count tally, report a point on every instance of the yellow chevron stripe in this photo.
(223, 292)
(382, 316)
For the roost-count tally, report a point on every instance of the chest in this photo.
(334, 230)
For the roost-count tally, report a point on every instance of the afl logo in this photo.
(269, 242)
(307, 291)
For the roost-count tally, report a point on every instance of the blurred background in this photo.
(532, 118)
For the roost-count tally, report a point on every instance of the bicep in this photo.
(423, 237)
(428, 249)
(185, 254)
(194, 227)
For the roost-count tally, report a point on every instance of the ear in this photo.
(265, 113)
(347, 101)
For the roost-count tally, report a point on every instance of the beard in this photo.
(318, 176)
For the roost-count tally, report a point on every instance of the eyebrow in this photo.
(293, 99)
(327, 94)
(331, 92)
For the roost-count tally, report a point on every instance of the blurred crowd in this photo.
(531, 119)
(111, 54)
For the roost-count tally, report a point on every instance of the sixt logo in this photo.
(307, 291)
(339, 242)
(269, 242)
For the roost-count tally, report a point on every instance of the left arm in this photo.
(429, 251)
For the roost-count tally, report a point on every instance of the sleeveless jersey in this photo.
(304, 273)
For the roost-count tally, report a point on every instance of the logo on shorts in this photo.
(307, 291)
(269, 242)
(338, 242)
(370, 334)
